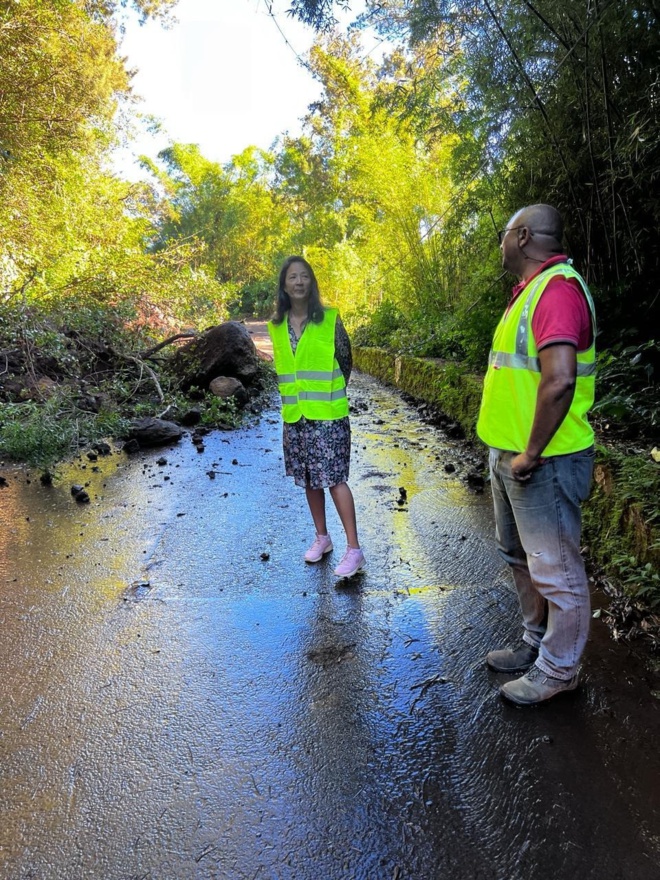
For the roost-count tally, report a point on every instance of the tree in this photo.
(234, 211)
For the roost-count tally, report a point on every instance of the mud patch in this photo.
(328, 655)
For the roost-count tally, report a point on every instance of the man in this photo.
(537, 392)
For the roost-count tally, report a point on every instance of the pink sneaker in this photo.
(352, 562)
(322, 545)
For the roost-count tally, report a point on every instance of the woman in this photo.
(313, 361)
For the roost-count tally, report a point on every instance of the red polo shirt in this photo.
(562, 313)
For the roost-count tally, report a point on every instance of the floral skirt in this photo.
(317, 453)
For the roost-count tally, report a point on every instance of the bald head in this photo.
(532, 236)
(541, 220)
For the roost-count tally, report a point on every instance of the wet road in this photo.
(181, 697)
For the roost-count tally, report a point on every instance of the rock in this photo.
(131, 446)
(79, 494)
(91, 402)
(224, 350)
(3, 483)
(155, 432)
(454, 431)
(227, 388)
(475, 481)
(102, 448)
(191, 417)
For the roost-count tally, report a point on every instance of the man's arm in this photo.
(553, 401)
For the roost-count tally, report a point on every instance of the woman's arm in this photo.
(343, 351)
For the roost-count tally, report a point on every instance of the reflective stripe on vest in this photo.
(514, 373)
(309, 374)
(311, 383)
(499, 359)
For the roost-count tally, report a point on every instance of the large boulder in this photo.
(224, 350)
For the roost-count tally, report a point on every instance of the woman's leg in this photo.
(316, 501)
(343, 499)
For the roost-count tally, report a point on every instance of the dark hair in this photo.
(315, 311)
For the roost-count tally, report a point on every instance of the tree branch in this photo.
(188, 334)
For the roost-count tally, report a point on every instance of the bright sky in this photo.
(222, 77)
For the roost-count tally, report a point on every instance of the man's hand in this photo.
(553, 401)
(523, 465)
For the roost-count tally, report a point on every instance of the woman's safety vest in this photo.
(514, 374)
(310, 382)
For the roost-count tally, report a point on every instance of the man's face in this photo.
(511, 253)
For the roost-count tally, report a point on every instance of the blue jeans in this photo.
(538, 526)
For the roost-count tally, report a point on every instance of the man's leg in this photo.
(548, 517)
(532, 604)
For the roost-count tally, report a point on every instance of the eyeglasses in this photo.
(502, 232)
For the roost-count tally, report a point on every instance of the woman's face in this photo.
(298, 283)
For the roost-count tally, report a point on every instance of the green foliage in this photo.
(628, 386)
(217, 412)
(43, 433)
(384, 324)
(639, 581)
(622, 520)
(35, 434)
(318, 13)
(234, 215)
(59, 71)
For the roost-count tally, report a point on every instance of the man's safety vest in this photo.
(310, 382)
(514, 374)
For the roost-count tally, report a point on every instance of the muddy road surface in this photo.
(182, 698)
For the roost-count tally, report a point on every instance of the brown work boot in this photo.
(506, 660)
(536, 687)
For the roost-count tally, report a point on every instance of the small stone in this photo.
(475, 481)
